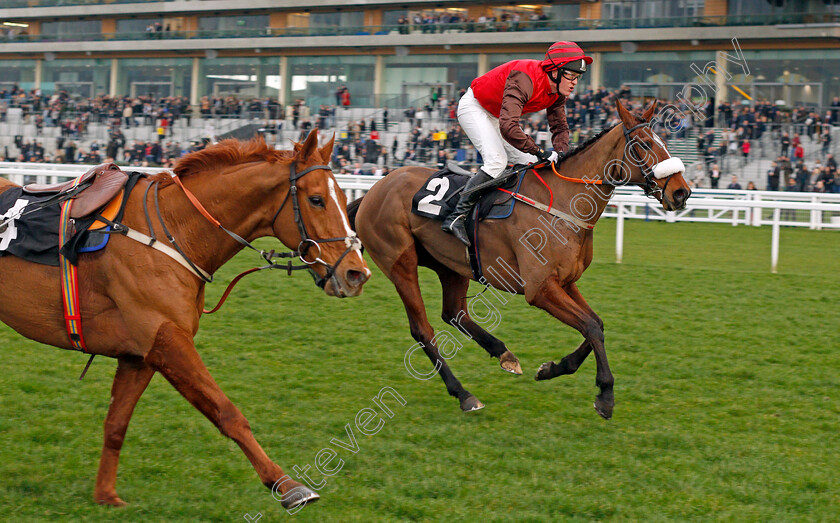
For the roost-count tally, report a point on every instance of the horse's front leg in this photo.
(567, 305)
(130, 381)
(175, 357)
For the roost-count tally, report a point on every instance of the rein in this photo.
(305, 245)
(650, 187)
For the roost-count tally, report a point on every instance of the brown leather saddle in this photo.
(100, 185)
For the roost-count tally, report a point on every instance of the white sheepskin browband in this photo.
(668, 167)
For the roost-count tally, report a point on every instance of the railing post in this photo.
(816, 215)
(756, 211)
(619, 234)
(774, 244)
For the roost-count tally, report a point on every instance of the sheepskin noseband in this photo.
(668, 167)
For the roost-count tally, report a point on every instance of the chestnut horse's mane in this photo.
(590, 141)
(225, 153)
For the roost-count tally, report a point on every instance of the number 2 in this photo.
(440, 186)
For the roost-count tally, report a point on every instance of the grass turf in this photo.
(726, 379)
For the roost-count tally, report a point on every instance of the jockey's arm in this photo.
(556, 114)
(518, 90)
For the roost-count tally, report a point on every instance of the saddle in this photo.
(96, 188)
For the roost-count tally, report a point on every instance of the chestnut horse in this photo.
(143, 308)
(531, 253)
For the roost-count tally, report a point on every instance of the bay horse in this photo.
(143, 308)
(532, 252)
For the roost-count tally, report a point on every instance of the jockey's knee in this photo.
(494, 166)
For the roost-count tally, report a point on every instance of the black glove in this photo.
(553, 156)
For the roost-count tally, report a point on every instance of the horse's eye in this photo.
(317, 201)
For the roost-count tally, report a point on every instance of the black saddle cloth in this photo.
(439, 196)
(34, 235)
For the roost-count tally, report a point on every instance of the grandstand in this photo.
(200, 65)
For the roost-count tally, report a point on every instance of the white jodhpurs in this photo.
(483, 130)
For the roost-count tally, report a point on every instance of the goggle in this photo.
(569, 75)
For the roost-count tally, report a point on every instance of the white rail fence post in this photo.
(774, 242)
(619, 234)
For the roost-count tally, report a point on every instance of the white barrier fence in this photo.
(757, 208)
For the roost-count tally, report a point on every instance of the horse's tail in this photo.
(352, 209)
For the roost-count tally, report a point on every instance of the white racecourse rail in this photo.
(794, 209)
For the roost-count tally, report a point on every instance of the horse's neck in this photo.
(239, 209)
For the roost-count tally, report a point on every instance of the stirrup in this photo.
(459, 229)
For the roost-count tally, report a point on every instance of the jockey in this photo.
(490, 110)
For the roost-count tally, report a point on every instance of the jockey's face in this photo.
(567, 81)
(566, 85)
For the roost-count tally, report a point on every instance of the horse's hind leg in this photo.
(175, 357)
(404, 276)
(561, 304)
(130, 381)
(455, 313)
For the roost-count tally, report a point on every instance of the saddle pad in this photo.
(437, 198)
(34, 236)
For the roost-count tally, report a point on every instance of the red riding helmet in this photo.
(565, 55)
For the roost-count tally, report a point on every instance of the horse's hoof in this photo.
(299, 496)
(510, 363)
(544, 372)
(112, 501)
(471, 403)
(603, 408)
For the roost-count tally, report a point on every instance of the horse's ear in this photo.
(326, 150)
(625, 115)
(649, 111)
(309, 146)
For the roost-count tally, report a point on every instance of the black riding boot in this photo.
(455, 223)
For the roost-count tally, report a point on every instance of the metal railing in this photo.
(459, 27)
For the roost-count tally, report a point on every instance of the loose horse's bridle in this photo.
(352, 242)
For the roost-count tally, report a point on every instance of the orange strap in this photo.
(575, 180)
(196, 203)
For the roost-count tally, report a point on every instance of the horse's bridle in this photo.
(650, 187)
(352, 242)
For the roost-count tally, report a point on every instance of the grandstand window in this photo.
(410, 76)
(136, 25)
(17, 72)
(254, 78)
(393, 16)
(158, 77)
(316, 78)
(338, 19)
(64, 28)
(647, 9)
(84, 78)
(232, 23)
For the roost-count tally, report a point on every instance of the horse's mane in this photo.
(226, 153)
(589, 141)
(595, 138)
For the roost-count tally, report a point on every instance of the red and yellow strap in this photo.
(69, 282)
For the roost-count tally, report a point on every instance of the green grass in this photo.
(726, 400)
